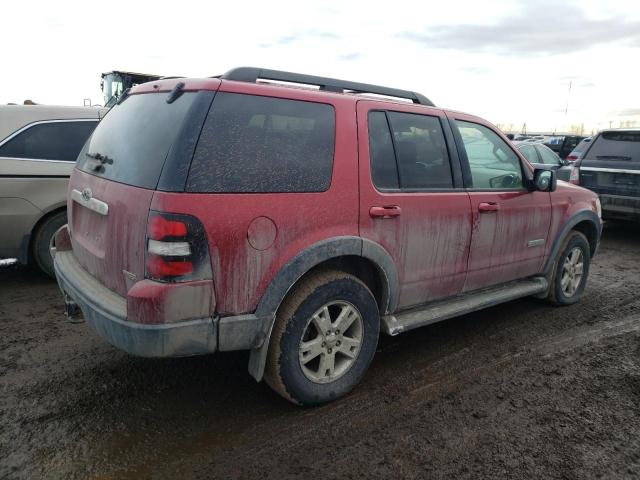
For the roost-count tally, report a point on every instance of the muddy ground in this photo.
(523, 390)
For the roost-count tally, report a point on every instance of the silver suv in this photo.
(39, 145)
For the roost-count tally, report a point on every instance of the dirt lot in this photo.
(522, 390)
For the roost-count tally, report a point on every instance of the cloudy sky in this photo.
(508, 61)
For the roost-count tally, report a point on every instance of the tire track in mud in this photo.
(356, 409)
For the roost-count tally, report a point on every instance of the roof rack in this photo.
(252, 74)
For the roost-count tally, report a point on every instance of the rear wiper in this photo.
(101, 159)
(612, 157)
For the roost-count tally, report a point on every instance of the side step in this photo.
(466, 303)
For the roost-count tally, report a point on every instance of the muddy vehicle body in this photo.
(299, 223)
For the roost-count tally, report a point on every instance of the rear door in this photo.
(611, 167)
(112, 187)
(411, 198)
(510, 223)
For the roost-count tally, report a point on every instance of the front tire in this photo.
(43, 242)
(323, 339)
(571, 270)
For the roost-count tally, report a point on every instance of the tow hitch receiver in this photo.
(71, 309)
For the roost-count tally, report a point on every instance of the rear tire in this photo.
(571, 270)
(43, 241)
(323, 339)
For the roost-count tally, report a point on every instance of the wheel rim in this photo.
(331, 342)
(572, 272)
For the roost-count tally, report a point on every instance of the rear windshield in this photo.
(582, 146)
(131, 143)
(257, 144)
(616, 146)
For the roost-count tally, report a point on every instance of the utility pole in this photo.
(566, 108)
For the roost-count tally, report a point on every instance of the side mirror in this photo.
(544, 180)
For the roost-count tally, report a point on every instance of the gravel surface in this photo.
(522, 390)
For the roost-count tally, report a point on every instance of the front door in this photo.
(411, 198)
(510, 223)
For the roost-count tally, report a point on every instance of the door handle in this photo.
(488, 207)
(385, 212)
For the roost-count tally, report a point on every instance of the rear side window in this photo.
(255, 144)
(49, 141)
(615, 146)
(131, 143)
(413, 156)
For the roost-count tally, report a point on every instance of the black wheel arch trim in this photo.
(584, 215)
(305, 261)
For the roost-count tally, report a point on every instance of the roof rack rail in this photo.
(252, 74)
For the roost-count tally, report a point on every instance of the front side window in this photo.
(493, 165)
(257, 144)
(49, 141)
(408, 151)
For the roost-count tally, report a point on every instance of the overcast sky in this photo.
(508, 61)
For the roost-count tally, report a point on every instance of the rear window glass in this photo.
(616, 146)
(50, 141)
(131, 143)
(262, 144)
(582, 146)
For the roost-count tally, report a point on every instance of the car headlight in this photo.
(599, 208)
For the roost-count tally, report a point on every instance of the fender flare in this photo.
(301, 264)
(568, 226)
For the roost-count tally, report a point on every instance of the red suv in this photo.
(232, 213)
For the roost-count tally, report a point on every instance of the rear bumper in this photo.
(618, 206)
(106, 313)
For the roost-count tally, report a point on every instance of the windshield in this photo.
(131, 143)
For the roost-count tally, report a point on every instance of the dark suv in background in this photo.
(231, 214)
(611, 167)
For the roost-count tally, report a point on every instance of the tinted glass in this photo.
(384, 171)
(131, 143)
(616, 146)
(49, 141)
(493, 165)
(529, 152)
(262, 144)
(548, 156)
(582, 146)
(422, 156)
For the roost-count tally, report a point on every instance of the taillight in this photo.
(574, 177)
(572, 158)
(177, 249)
